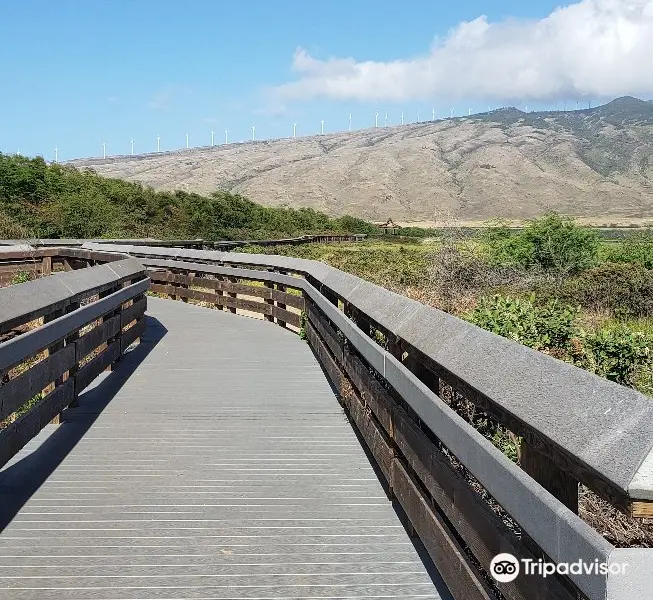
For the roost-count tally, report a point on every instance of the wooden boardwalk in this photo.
(215, 462)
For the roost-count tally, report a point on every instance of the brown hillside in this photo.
(595, 163)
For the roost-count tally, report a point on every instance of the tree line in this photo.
(44, 200)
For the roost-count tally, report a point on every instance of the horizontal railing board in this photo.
(24, 302)
(96, 365)
(88, 342)
(15, 392)
(23, 429)
(608, 432)
(17, 349)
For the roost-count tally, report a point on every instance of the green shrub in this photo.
(636, 248)
(549, 325)
(621, 353)
(618, 353)
(61, 201)
(20, 277)
(553, 242)
(622, 289)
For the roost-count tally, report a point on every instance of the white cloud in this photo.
(595, 48)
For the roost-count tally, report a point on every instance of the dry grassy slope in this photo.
(594, 163)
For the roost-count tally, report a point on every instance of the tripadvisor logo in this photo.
(505, 568)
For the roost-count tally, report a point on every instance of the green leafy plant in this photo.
(553, 242)
(619, 353)
(636, 248)
(302, 326)
(551, 324)
(20, 277)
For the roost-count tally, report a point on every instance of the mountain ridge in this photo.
(592, 163)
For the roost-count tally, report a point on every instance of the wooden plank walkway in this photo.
(215, 462)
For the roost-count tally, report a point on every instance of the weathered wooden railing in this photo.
(448, 477)
(192, 244)
(60, 331)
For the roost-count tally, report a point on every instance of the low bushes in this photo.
(621, 289)
(619, 353)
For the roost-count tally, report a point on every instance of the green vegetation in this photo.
(56, 201)
(618, 353)
(553, 243)
(20, 277)
(551, 285)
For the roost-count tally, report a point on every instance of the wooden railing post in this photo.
(51, 350)
(46, 266)
(172, 283)
(541, 468)
(218, 292)
(70, 374)
(232, 294)
(187, 285)
(269, 301)
(281, 288)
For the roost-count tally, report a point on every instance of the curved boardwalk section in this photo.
(215, 462)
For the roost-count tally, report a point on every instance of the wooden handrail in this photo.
(413, 433)
(435, 463)
(67, 327)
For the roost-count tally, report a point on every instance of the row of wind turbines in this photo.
(402, 120)
(294, 131)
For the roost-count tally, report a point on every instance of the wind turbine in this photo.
(433, 113)
(187, 140)
(56, 155)
(349, 121)
(226, 137)
(418, 116)
(451, 114)
(385, 122)
(132, 142)
(294, 130)
(158, 143)
(322, 126)
(376, 119)
(104, 149)
(469, 112)
(253, 132)
(212, 135)
(402, 117)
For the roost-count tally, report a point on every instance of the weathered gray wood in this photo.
(221, 468)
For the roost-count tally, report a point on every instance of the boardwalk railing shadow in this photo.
(25, 474)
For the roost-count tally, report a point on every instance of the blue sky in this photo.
(75, 74)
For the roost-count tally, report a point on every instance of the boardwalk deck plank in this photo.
(221, 466)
